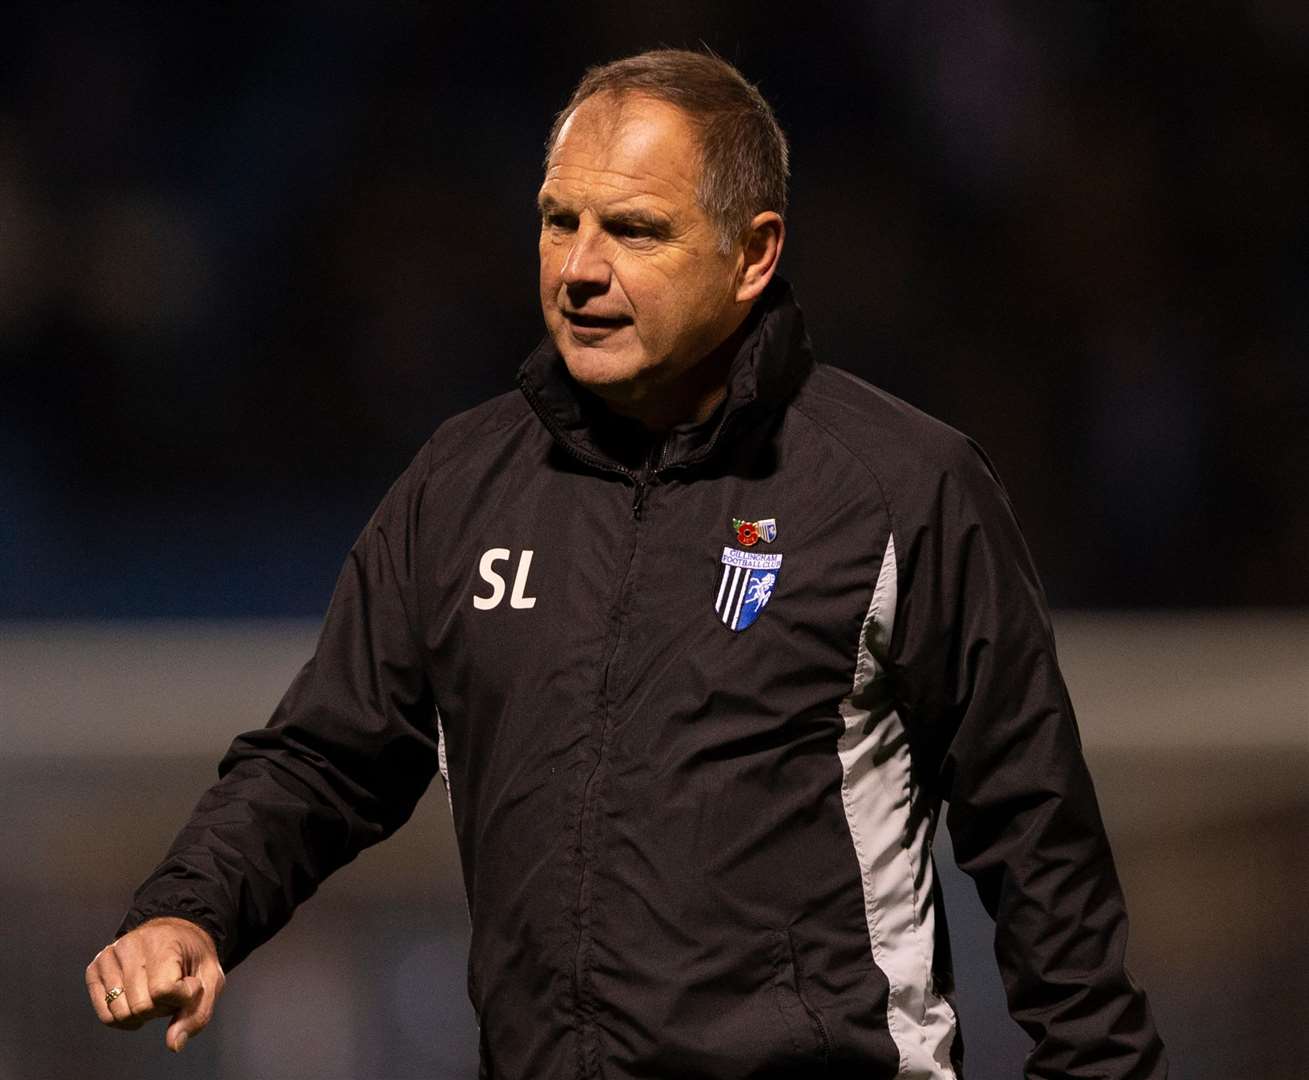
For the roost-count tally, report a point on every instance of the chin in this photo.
(596, 367)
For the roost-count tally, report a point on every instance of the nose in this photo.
(586, 267)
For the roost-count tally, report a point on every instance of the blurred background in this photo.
(251, 255)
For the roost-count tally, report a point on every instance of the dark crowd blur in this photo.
(252, 254)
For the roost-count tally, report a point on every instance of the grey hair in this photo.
(744, 158)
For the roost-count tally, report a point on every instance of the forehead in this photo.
(629, 147)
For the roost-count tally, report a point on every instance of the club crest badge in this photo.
(747, 584)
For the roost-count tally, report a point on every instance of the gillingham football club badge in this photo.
(749, 577)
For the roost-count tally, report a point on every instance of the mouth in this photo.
(594, 330)
(596, 322)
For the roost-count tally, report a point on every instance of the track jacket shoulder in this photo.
(697, 701)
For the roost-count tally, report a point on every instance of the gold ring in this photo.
(113, 994)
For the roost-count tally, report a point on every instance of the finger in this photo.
(136, 984)
(111, 978)
(163, 979)
(194, 1017)
(133, 976)
(97, 990)
(213, 980)
(141, 971)
(171, 994)
(189, 1018)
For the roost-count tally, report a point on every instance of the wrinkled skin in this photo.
(635, 290)
(167, 968)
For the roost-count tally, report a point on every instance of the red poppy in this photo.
(748, 533)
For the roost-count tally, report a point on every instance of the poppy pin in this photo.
(749, 533)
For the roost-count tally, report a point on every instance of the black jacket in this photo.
(698, 702)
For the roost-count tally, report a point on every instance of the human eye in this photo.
(634, 229)
(559, 220)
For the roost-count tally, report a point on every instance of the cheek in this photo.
(671, 300)
(548, 289)
(650, 317)
(649, 295)
(548, 254)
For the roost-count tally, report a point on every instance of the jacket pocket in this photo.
(802, 1020)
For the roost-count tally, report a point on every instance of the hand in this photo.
(166, 967)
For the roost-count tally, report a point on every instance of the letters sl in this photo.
(518, 598)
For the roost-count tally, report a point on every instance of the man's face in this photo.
(633, 286)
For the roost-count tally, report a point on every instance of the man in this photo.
(699, 634)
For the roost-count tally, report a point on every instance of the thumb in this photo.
(186, 996)
(181, 995)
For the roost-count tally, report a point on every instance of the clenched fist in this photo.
(165, 967)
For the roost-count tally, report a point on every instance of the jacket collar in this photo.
(771, 361)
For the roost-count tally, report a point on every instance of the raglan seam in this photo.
(415, 638)
(876, 478)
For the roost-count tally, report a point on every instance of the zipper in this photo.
(583, 1005)
(557, 433)
(825, 1042)
(587, 829)
(705, 451)
(654, 461)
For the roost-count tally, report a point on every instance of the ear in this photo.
(759, 254)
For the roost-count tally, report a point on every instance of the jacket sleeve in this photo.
(989, 716)
(341, 765)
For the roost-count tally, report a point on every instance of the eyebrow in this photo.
(648, 219)
(657, 223)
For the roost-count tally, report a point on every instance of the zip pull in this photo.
(654, 461)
